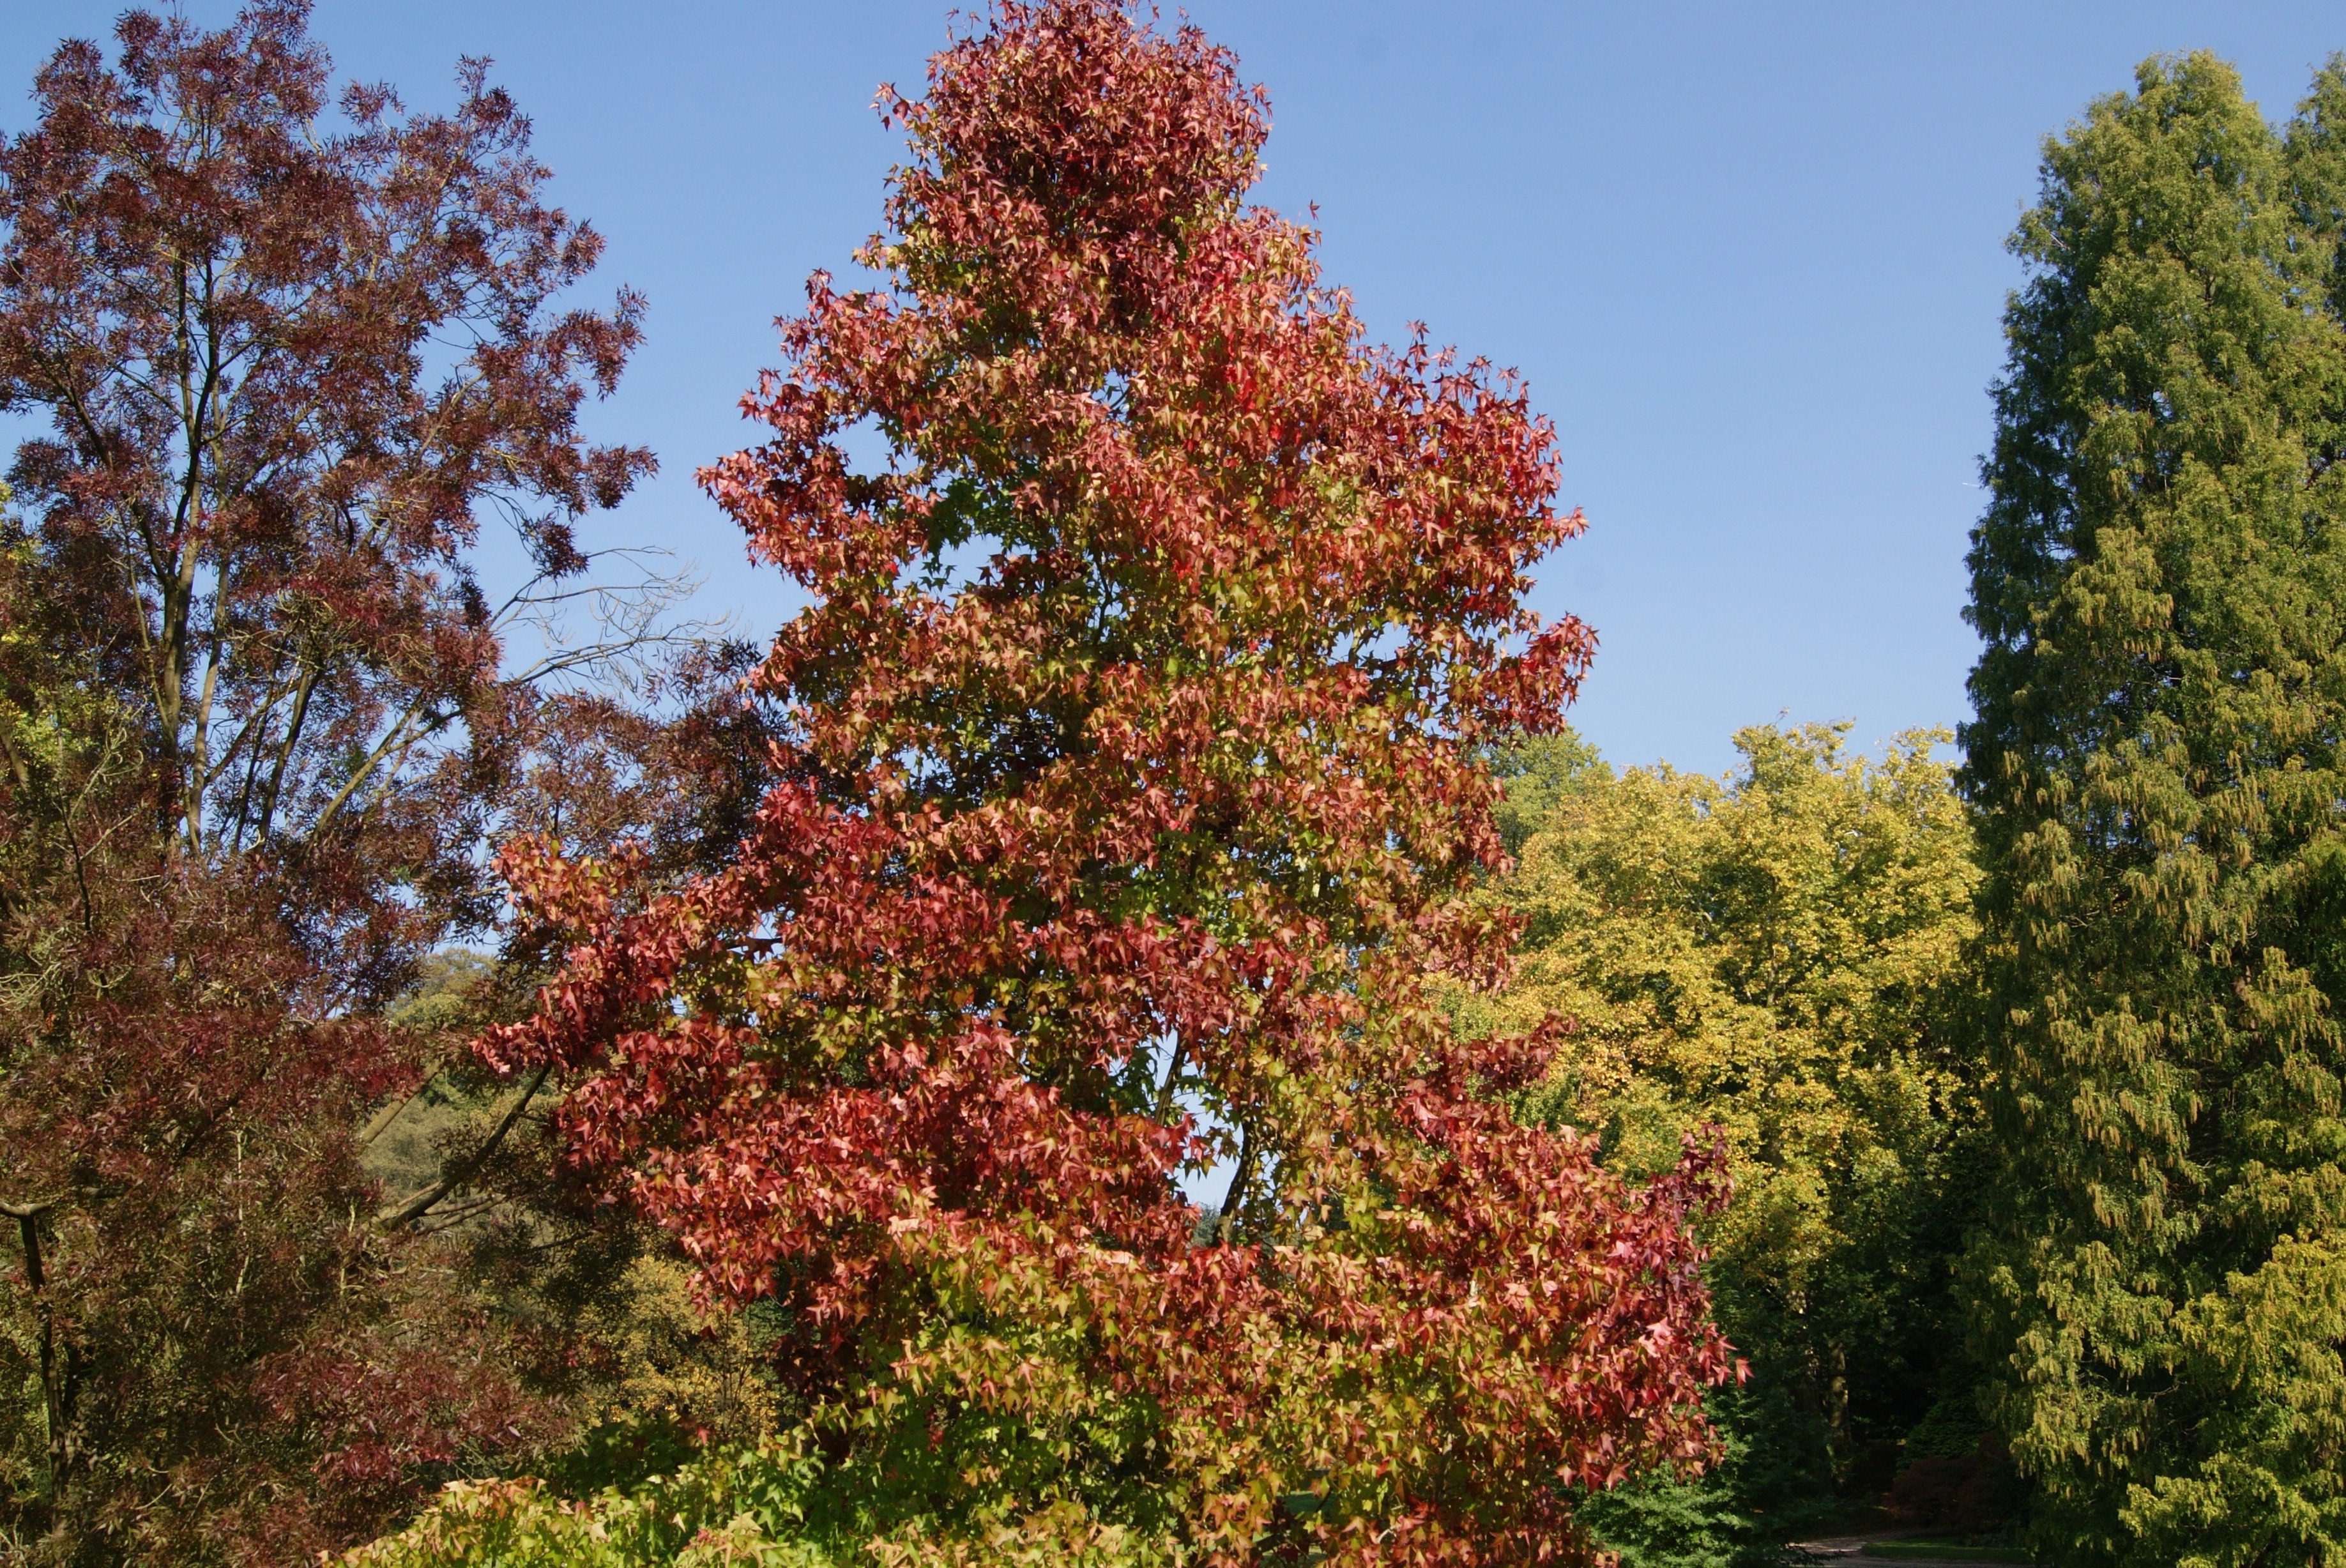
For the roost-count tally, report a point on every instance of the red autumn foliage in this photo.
(243, 1367)
(290, 347)
(1126, 820)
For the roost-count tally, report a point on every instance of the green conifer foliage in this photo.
(2160, 581)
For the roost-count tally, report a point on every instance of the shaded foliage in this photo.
(292, 352)
(221, 1358)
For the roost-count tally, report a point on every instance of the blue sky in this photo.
(1748, 257)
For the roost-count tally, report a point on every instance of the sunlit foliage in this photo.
(1776, 953)
(1127, 809)
(2160, 581)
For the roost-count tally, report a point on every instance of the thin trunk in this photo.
(176, 588)
(196, 413)
(1172, 1077)
(27, 1217)
(285, 751)
(395, 744)
(381, 1122)
(1240, 1179)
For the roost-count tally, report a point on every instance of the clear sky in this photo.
(1749, 256)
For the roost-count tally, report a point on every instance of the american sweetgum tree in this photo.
(1122, 831)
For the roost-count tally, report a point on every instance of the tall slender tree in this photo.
(290, 350)
(1127, 807)
(2159, 762)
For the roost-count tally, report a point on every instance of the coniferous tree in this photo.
(2160, 581)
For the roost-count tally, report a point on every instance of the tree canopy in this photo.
(1131, 1032)
(1126, 809)
(2155, 761)
(1779, 954)
(283, 353)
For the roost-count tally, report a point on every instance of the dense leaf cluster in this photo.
(283, 356)
(1779, 954)
(1130, 1033)
(1127, 806)
(2160, 581)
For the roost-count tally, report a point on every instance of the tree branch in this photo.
(1240, 1179)
(420, 1204)
(380, 1123)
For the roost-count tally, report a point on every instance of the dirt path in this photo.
(1848, 1552)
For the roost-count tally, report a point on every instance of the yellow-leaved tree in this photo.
(1775, 953)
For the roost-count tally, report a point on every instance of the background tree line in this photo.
(720, 1104)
